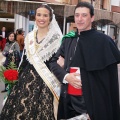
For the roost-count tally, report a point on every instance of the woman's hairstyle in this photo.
(87, 5)
(9, 35)
(48, 8)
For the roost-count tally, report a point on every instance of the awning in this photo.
(23, 7)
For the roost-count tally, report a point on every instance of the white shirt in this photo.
(64, 80)
(3, 34)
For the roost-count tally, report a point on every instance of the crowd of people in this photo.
(42, 90)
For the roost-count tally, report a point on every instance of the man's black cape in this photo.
(97, 56)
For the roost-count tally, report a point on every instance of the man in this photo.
(114, 39)
(97, 56)
(3, 36)
(20, 40)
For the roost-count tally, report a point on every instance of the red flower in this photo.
(11, 75)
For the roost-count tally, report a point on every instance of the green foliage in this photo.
(12, 65)
(2, 69)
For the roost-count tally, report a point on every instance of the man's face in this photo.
(3, 29)
(83, 19)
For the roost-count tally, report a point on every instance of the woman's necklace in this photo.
(37, 43)
(37, 38)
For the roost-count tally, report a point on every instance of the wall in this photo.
(115, 8)
(87, 1)
(71, 2)
(106, 4)
(115, 2)
(97, 4)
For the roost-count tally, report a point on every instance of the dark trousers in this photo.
(71, 106)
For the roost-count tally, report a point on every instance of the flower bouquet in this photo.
(9, 75)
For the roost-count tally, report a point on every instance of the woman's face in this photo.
(42, 17)
(11, 37)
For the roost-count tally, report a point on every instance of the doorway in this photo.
(7, 20)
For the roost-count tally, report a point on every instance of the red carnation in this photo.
(11, 75)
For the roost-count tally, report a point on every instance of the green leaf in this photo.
(12, 65)
(2, 68)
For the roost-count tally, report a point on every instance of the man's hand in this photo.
(73, 79)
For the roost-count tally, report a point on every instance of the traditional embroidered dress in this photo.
(32, 97)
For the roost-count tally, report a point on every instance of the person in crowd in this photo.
(3, 36)
(11, 47)
(32, 97)
(16, 33)
(114, 39)
(20, 40)
(118, 45)
(96, 91)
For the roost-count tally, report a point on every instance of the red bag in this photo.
(72, 90)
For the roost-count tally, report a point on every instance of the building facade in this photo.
(23, 13)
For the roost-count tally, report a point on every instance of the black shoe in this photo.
(3, 91)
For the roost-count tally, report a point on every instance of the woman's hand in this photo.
(5, 53)
(10, 51)
(60, 61)
(1, 36)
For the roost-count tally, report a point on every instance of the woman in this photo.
(32, 97)
(11, 49)
(11, 52)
